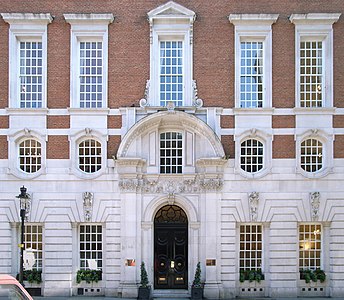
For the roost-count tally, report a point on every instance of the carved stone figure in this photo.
(315, 203)
(88, 205)
(253, 200)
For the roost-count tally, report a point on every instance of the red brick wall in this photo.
(338, 121)
(338, 146)
(4, 122)
(58, 147)
(213, 47)
(58, 122)
(283, 121)
(114, 121)
(228, 145)
(283, 146)
(112, 145)
(227, 122)
(3, 147)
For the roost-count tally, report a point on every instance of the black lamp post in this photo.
(24, 201)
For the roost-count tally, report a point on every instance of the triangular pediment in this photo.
(170, 10)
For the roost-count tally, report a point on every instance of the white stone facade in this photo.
(218, 197)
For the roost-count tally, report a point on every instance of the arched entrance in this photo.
(170, 248)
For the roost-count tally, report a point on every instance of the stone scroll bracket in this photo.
(88, 205)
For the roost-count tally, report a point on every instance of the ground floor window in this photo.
(33, 243)
(310, 246)
(91, 247)
(250, 247)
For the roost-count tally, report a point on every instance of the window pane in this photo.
(90, 156)
(311, 74)
(171, 72)
(171, 152)
(252, 157)
(89, 247)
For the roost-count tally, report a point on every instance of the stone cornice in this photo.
(315, 18)
(27, 18)
(252, 19)
(76, 19)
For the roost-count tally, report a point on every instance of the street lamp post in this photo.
(24, 200)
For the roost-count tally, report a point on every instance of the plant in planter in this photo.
(251, 275)
(197, 287)
(312, 275)
(144, 288)
(88, 275)
(32, 276)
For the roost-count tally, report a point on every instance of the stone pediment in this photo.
(170, 10)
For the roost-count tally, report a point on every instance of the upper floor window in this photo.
(314, 58)
(252, 156)
(171, 153)
(251, 74)
(171, 55)
(90, 156)
(314, 153)
(30, 156)
(311, 155)
(253, 59)
(171, 72)
(31, 74)
(27, 59)
(89, 53)
(91, 74)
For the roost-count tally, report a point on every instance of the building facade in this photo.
(171, 134)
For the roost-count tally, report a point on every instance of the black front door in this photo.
(170, 248)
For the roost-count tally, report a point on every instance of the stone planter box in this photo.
(312, 289)
(252, 289)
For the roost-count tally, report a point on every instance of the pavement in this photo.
(113, 298)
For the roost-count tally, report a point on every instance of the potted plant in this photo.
(144, 288)
(197, 287)
(32, 276)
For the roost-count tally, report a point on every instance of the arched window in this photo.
(251, 156)
(30, 156)
(90, 156)
(311, 155)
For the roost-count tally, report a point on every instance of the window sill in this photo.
(314, 110)
(254, 111)
(27, 111)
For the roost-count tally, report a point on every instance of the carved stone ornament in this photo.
(88, 205)
(315, 203)
(253, 200)
(171, 187)
(145, 100)
(198, 102)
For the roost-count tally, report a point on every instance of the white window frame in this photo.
(13, 152)
(171, 21)
(182, 150)
(262, 246)
(87, 28)
(321, 245)
(25, 27)
(74, 141)
(79, 240)
(254, 27)
(327, 154)
(35, 251)
(317, 27)
(266, 140)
